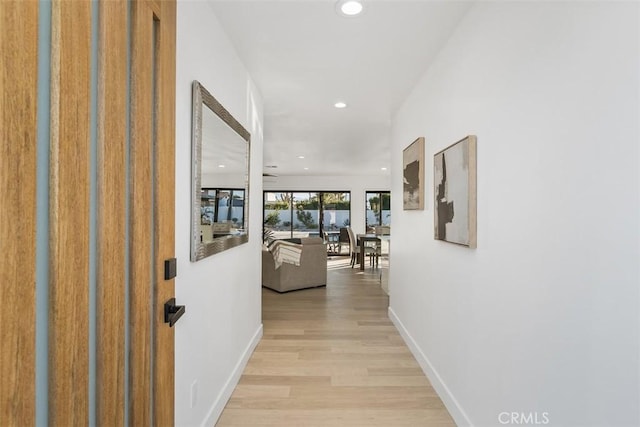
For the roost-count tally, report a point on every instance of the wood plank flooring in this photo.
(331, 357)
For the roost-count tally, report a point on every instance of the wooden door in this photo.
(152, 230)
(110, 203)
(18, 82)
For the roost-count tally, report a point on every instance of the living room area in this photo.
(307, 232)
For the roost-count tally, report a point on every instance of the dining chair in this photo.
(355, 248)
(343, 239)
(374, 249)
(331, 242)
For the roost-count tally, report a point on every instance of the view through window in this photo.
(378, 209)
(294, 214)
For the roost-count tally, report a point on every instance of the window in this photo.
(378, 206)
(305, 213)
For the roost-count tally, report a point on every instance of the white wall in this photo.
(358, 185)
(543, 316)
(221, 293)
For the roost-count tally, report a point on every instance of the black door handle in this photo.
(172, 312)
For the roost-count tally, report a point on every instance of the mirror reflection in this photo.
(220, 177)
(222, 213)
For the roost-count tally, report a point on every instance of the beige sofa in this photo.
(311, 272)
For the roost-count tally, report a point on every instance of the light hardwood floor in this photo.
(331, 357)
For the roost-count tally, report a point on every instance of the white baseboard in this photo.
(454, 408)
(224, 395)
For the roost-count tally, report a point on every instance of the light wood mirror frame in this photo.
(199, 248)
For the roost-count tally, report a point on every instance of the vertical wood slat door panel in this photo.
(165, 213)
(69, 213)
(18, 101)
(141, 229)
(111, 262)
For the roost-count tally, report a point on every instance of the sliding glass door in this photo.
(295, 214)
(277, 213)
(336, 208)
(306, 216)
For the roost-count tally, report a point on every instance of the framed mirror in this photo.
(220, 177)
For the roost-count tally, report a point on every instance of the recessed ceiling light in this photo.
(306, 169)
(350, 7)
(301, 157)
(220, 166)
(384, 169)
(340, 105)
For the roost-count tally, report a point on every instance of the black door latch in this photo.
(172, 312)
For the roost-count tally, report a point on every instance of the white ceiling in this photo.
(304, 57)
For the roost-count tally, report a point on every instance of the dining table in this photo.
(362, 239)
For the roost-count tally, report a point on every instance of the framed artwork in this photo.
(413, 176)
(454, 182)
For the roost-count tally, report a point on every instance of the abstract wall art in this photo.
(455, 193)
(413, 176)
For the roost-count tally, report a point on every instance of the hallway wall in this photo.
(222, 292)
(541, 318)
